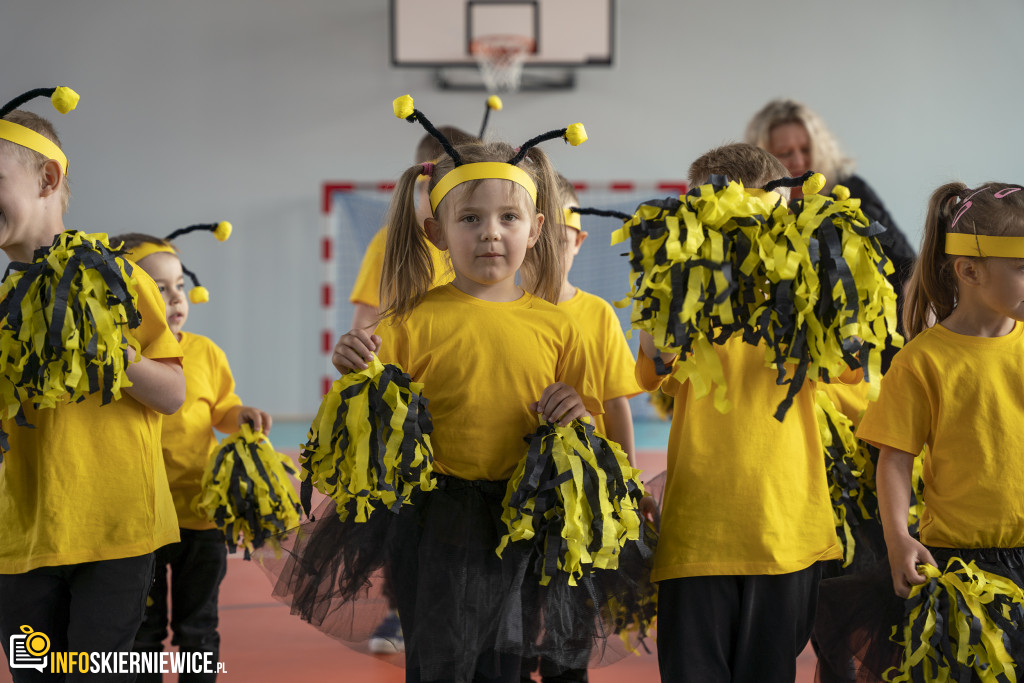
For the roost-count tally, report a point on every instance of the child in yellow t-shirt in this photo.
(198, 562)
(84, 499)
(955, 388)
(746, 515)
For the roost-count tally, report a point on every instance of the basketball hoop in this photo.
(500, 58)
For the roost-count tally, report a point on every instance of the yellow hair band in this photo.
(26, 137)
(148, 249)
(963, 244)
(484, 170)
(572, 220)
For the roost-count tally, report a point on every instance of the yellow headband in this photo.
(963, 244)
(26, 137)
(483, 170)
(572, 220)
(148, 249)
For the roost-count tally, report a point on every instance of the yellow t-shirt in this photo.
(88, 482)
(366, 289)
(188, 436)
(850, 399)
(482, 364)
(608, 355)
(745, 493)
(963, 397)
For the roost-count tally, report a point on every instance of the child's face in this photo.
(1001, 281)
(486, 232)
(20, 207)
(165, 269)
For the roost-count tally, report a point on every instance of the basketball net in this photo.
(500, 58)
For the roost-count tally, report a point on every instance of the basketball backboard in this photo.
(440, 34)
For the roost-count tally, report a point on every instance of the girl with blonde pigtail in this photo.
(956, 388)
(492, 361)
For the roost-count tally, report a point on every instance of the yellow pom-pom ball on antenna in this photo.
(576, 134)
(403, 106)
(64, 99)
(199, 295)
(223, 231)
(841, 192)
(814, 184)
(494, 102)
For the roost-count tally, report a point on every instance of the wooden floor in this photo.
(261, 641)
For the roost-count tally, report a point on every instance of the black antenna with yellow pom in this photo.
(404, 109)
(575, 135)
(222, 231)
(493, 102)
(64, 99)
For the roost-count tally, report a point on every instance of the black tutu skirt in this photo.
(464, 610)
(865, 632)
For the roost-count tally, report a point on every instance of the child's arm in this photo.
(893, 476)
(239, 415)
(156, 383)
(355, 350)
(560, 402)
(651, 351)
(364, 317)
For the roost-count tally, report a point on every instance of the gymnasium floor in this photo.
(261, 642)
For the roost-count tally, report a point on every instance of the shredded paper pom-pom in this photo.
(722, 261)
(247, 491)
(403, 106)
(369, 445)
(961, 621)
(64, 321)
(849, 467)
(576, 495)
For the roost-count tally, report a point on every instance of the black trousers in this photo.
(735, 629)
(88, 607)
(198, 564)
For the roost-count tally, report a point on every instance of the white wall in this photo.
(236, 109)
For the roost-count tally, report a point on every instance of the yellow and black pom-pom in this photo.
(576, 496)
(722, 261)
(958, 626)
(64, 321)
(247, 491)
(849, 467)
(662, 403)
(369, 445)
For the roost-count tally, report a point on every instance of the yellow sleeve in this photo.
(901, 418)
(366, 289)
(224, 386)
(153, 335)
(645, 374)
(618, 361)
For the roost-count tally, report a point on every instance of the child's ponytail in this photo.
(408, 270)
(932, 290)
(542, 269)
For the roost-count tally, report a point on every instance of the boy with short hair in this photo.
(84, 499)
(746, 517)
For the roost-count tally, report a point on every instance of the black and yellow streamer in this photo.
(64, 321)
(575, 495)
(850, 472)
(723, 260)
(369, 445)
(247, 491)
(962, 622)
